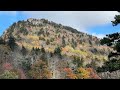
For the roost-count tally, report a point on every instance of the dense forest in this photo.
(42, 49)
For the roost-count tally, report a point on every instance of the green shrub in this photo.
(9, 75)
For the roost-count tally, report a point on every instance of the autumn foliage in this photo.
(81, 73)
(39, 70)
(9, 72)
(7, 66)
(69, 74)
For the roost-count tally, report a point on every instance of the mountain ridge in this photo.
(58, 45)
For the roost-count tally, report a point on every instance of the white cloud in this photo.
(81, 20)
(98, 35)
(8, 12)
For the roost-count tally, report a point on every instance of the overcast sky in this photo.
(97, 23)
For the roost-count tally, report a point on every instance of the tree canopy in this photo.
(113, 41)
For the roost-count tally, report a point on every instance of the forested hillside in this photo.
(42, 49)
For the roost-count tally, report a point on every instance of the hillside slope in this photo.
(60, 46)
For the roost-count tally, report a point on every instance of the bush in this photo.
(26, 64)
(11, 42)
(78, 61)
(41, 31)
(24, 50)
(47, 42)
(9, 75)
(42, 50)
(24, 31)
(52, 39)
(39, 70)
(57, 51)
(2, 41)
(42, 38)
(63, 41)
(111, 65)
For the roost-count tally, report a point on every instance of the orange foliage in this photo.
(64, 49)
(87, 73)
(39, 70)
(69, 74)
(93, 75)
(81, 73)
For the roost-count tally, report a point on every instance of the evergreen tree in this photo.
(57, 51)
(63, 41)
(33, 49)
(78, 61)
(47, 42)
(116, 21)
(112, 40)
(74, 43)
(2, 41)
(24, 50)
(42, 50)
(11, 42)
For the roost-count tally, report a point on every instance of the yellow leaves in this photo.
(80, 52)
(34, 44)
(70, 51)
(86, 73)
(67, 49)
(100, 57)
(26, 45)
(31, 37)
(50, 50)
(83, 73)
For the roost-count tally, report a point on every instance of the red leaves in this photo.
(67, 70)
(7, 66)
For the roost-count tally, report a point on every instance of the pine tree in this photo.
(57, 51)
(24, 50)
(47, 42)
(63, 41)
(2, 41)
(42, 50)
(11, 42)
(113, 41)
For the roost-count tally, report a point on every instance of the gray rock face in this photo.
(35, 21)
(110, 75)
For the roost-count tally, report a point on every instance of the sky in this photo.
(97, 23)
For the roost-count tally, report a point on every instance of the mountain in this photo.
(34, 42)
